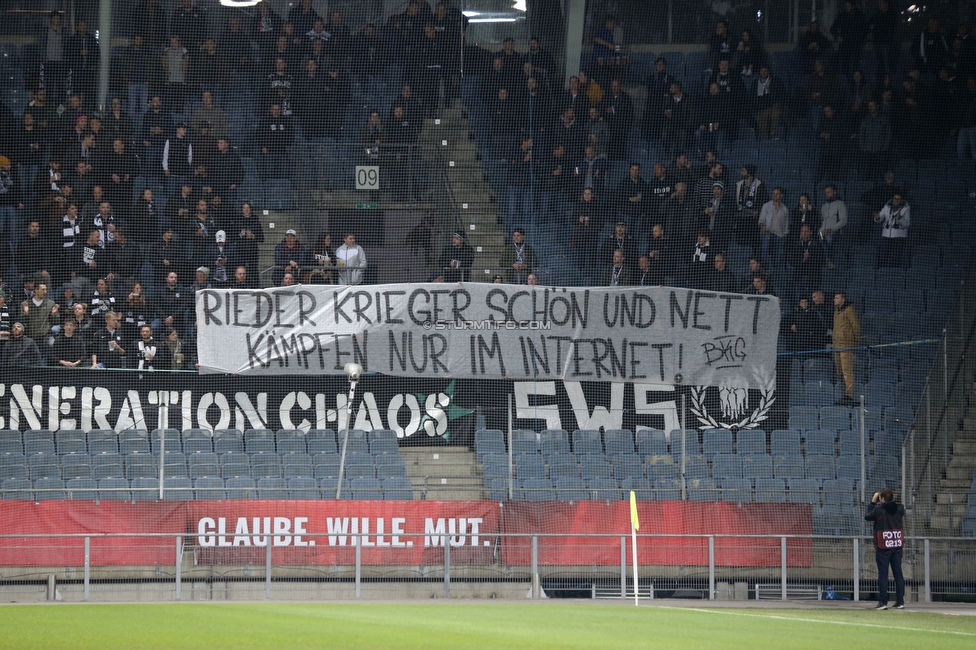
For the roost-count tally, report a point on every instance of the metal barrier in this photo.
(936, 568)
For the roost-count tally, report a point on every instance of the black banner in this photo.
(421, 410)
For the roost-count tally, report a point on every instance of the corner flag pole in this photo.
(634, 527)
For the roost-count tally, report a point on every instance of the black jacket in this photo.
(888, 518)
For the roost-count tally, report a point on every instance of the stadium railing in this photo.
(208, 566)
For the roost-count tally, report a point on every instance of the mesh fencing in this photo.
(554, 139)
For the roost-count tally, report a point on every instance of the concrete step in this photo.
(942, 524)
(967, 433)
(957, 510)
(956, 484)
(952, 497)
(959, 471)
(963, 448)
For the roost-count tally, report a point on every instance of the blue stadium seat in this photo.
(384, 446)
(177, 488)
(273, 488)
(114, 489)
(289, 444)
(366, 488)
(627, 465)
(587, 442)
(806, 490)
(737, 490)
(819, 466)
(537, 489)
(750, 441)
(307, 488)
(757, 466)
(593, 467)
(226, 440)
(788, 466)
(642, 488)
(145, 489)
(618, 441)
(701, 489)
(604, 489)
(820, 443)
(46, 434)
(397, 488)
(17, 489)
(529, 465)
(660, 466)
(49, 489)
(385, 470)
(209, 488)
(81, 489)
(488, 441)
(554, 441)
(563, 465)
(835, 417)
(716, 441)
(44, 446)
(321, 445)
(651, 442)
(726, 465)
(499, 489)
(571, 489)
(358, 441)
(260, 445)
(17, 447)
(240, 488)
(850, 443)
(691, 445)
(667, 489)
(65, 445)
(525, 441)
(171, 437)
(839, 491)
(770, 490)
(804, 419)
(695, 467)
(17, 472)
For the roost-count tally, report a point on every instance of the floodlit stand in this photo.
(353, 371)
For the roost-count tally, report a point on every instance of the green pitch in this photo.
(471, 625)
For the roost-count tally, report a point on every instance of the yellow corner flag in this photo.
(633, 511)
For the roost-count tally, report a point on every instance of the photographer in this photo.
(889, 540)
(895, 217)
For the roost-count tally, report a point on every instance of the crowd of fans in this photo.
(98, 259)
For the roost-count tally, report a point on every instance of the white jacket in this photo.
(353, 257)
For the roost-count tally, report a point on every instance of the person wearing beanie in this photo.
(456, 260)
(20, 351)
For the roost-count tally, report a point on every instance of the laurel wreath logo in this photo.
(760, 414)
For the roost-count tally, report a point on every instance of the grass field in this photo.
(472, 625)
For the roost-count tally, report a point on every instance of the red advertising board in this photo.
(398, 532)
(571, 521)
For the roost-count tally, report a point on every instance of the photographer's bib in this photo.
(889, 539)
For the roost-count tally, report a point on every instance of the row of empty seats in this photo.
(221, 441)
(834, 492)
(811, 430)
(751, 467)
(205, 488)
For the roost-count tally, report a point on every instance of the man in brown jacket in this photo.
(847, 334)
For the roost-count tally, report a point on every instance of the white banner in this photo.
(492, 331)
